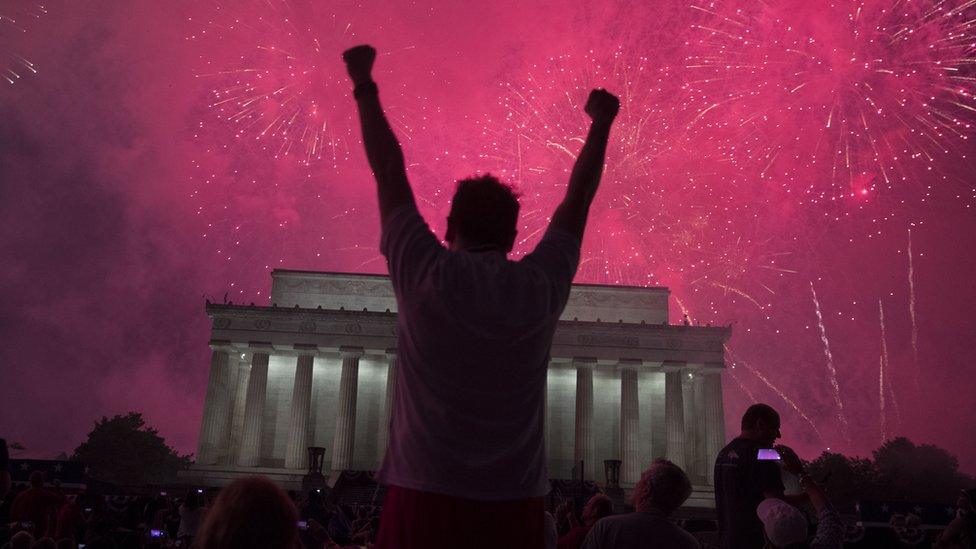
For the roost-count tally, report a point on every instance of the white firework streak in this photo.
(881, 399)
(830, 366)
(911, 310)
(684, 310)
(731, 370)
(883, 362)
(891, 386)
(780, 393)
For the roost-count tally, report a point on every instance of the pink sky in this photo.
(126, 199)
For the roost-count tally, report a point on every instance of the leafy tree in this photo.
(845, 479)
(900, 471)
(123, 450)
(921, 472)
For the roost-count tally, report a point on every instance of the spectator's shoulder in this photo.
(688, 541)
(594, 538)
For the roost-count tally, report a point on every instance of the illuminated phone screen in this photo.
(768, 454)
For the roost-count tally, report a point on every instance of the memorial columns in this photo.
(387, 417)
(698, 459)
(630, 467)
(243, 367)
(216, 412)
(714, 419)
(257, 385)
(345, 433)
(296, 449)
(674, 413)
(583, 442)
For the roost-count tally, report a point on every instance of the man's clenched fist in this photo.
(602, 105)
(359, 63)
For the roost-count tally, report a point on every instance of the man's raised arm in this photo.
(382, 148)
(571, 214)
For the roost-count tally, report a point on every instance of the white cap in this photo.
(784, 524)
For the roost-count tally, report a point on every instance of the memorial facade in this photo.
(318, 367)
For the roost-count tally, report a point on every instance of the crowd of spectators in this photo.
(253, 512)
(752, 511)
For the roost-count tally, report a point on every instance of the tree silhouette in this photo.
(900, 471)
(123, 450)
(921, 472)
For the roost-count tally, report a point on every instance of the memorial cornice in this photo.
(300, 331)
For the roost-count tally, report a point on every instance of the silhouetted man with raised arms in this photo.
(466, 458)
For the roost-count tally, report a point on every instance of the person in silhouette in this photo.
(743, 479)
(598, 507)
(661, 490)
(465, 463)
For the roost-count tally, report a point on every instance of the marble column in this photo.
(630, 468)
(698, 427)
(545, 417)
(257, 385)
(583, 442)
(243, 366)
(296, 449)
(674, 414)
(384, 430)
(714, 419)
(345, 433)
(216, 411)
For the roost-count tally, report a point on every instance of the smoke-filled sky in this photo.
(768, 165)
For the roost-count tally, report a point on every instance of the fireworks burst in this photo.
(272, 70)
(658, 220)
(859, 94)
(16, 18)
(275, 131)
(636, 228)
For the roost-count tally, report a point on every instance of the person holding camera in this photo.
(745, 476)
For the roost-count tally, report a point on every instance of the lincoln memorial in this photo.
(317, 368)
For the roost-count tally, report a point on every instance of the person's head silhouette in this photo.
(484, 212)
(761, 423)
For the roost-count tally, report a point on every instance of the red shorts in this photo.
(414, 519)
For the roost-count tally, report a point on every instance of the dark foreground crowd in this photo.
(752, 511)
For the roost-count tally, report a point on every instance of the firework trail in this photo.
(841, 416)
(911, 310)
(881, 399)
(882, 382)
(685, 313)
(862, 93)
(779, 392)
(731, 371)
(885, 375)
(15, 20)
